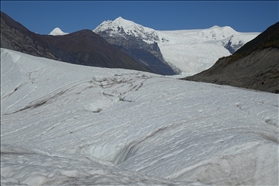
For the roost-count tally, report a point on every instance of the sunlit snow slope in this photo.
(63, 124)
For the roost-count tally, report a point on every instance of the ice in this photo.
(63, 124)
(193, 51)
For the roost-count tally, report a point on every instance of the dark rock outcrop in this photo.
(232, 48)
(253, 66)
(82, 47)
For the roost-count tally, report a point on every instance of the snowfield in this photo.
(63, 124)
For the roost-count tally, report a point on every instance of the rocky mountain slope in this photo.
(82, 47)
(254, 66)
(16, 37)
(186, 51)
(136, 41)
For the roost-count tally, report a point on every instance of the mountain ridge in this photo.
(82, 47)
(253, 66)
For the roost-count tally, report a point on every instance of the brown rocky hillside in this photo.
(253, 66)
(82, 47)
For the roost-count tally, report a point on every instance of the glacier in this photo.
(191, 51)
(64, 124)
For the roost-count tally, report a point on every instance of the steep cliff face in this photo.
(254, 66)
(138, 42)
(82, 47)
(132, 42)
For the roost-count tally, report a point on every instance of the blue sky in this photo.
(43, 17)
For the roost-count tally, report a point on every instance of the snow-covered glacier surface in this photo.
(193, 51)
(63, 124)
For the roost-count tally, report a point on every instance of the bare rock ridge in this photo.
(253, 66)
(82, 47)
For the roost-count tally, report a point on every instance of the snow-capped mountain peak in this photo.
(123, 22)
(217, 33)
(57, 31)
(125, 28)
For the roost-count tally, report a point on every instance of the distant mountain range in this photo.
(124, 44)
(254, 66)
(171, 52)
(186, 51)
(134, 46)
